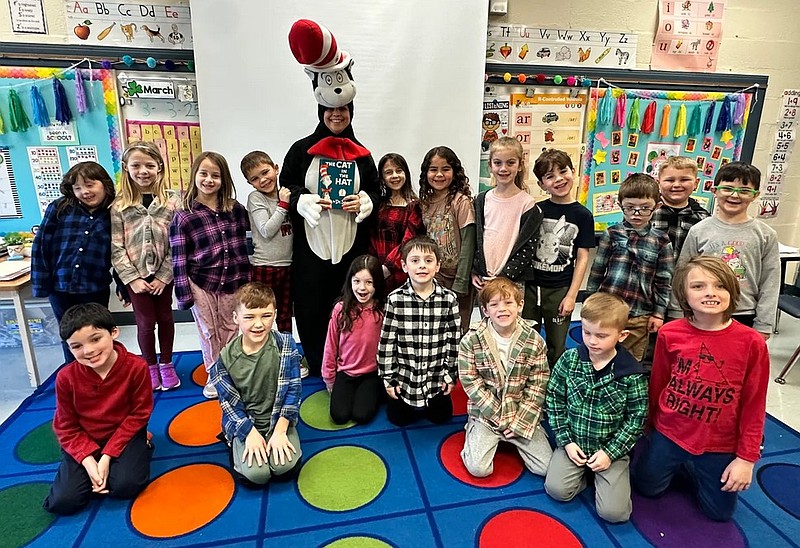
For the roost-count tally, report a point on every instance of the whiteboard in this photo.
(419, 73)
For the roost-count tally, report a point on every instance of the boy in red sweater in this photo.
(103, 402)
(708, 393)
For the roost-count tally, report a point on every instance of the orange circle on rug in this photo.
(192, 496)
(199, 375)
(516, 528)
(197, 425)
(459, 398)
(508, 465)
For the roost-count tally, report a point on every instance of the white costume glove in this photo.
(365, 205)
(308, 207)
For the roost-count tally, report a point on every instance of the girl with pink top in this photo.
(349, 364)
(507, 219)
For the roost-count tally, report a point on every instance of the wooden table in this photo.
(17, 290)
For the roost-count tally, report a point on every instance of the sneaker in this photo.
(155, 378)
(303, 369)
(209, 391)
(169, 378)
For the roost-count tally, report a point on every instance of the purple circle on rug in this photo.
(779, 482)
(675, 520)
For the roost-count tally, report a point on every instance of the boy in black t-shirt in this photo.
(562, 253)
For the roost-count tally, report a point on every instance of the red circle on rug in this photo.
(197, 425)
(507, 463)
(523, 528)
(199, 375)
(459, 400)
(191, 496)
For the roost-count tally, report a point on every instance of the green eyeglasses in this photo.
(731, 190)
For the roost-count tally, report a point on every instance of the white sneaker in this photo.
(303, 370)
(209, 391)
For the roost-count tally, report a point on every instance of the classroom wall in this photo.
(759, 37)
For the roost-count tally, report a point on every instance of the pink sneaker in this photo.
(169, 378)
(155, 378)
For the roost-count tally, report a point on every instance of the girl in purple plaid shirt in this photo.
(208, 237)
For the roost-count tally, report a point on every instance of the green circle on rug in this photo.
(23, 519)
(39, 446)
(357, 542)
(316, 412)
(342, 478)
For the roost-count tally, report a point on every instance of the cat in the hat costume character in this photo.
(329, 228)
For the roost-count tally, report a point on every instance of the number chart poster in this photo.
(636, 130)
(179, 143)
(97, 126)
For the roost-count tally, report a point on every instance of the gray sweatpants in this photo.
(565, 479)
(480, 445)
(260, 475)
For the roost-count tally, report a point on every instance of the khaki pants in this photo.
(480, 446)
(636, 341)
(260, 475)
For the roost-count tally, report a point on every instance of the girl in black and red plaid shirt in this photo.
(399, 218)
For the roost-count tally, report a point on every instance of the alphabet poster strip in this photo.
(689, 35)
(521, 44)
(129, 24)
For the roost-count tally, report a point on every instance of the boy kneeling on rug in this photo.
(104, 400)
(502, 364)
(597, 406)
(257, 377)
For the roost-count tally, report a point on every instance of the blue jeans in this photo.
(662, 459)
(61, 302)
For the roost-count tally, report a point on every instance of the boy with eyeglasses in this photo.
(748, 246)
(634, 261)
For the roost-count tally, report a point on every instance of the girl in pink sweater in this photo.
(349, 366)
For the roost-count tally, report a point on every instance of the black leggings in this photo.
(355, 398)
(439, 410)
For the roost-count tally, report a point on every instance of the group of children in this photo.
(400, 331)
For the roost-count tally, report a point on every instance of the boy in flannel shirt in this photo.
(257, 377)
(634, 261)
(502, 364)
(597, 406)
(419, 340)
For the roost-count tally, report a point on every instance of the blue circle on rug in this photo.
(575, 333)
(779, 482)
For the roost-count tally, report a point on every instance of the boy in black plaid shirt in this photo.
(419, 340)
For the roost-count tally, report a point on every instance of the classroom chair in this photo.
(789, 302)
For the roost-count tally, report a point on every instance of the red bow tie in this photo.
(338, 148)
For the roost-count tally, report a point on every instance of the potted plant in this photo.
(15, 243)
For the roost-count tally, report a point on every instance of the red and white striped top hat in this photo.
(314, 46)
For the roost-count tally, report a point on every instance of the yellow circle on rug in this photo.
(197, 425)
(357, 542)
(315, 412)
(342, 478)
(190, 497)
(199, 375)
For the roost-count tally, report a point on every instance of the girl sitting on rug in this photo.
(708, 393)
(349, 364)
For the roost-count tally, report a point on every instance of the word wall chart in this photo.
(688, 36)
(179, 143)
(47, 175)
(782, 146)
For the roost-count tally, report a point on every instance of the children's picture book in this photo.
(336, 180)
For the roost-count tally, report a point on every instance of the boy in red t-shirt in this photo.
(708, 393)
(103, 402)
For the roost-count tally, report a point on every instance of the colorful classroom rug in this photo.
(359, 486)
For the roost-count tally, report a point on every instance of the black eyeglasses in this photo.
(643, 211)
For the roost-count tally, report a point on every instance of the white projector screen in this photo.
(418, 69)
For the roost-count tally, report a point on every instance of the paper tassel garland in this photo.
(63, 113)
(709, 119)
(80, 93)
(680, 122)
(2, 125)
(694, 122)
(40, 116)
(738, 113)
(633, 119)
(17, 118)
(724, 118)
(665, 121)
(649, 122)
(604, 109)
(619, 114)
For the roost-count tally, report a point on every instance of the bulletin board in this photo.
(39, 156)
(635, 130)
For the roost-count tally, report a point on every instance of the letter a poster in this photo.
(689, 35)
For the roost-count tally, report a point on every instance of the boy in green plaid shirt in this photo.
(597, 406)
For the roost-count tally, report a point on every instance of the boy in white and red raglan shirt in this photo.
(708, 392)
(104, 400)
